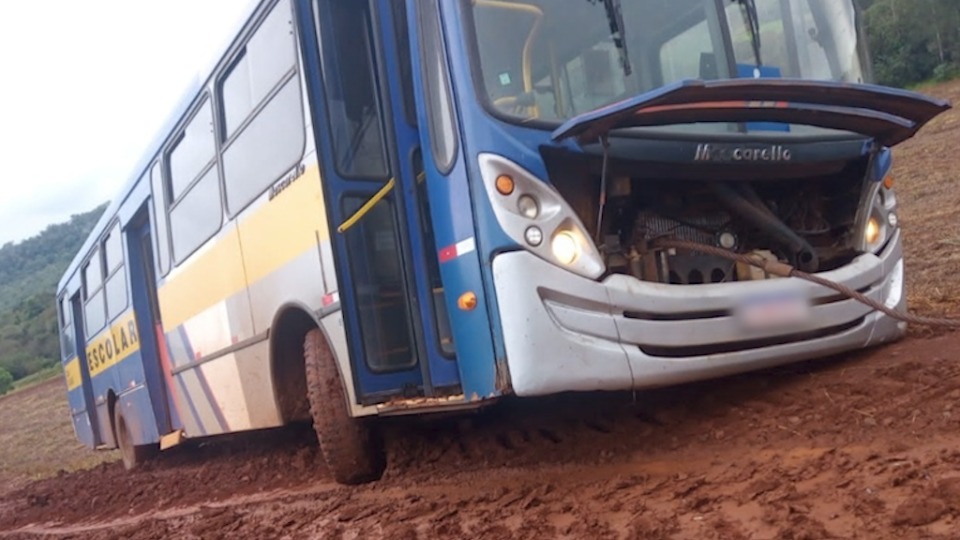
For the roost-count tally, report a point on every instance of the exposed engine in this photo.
(807, 221)
(807, 224)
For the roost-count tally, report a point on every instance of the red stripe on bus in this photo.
(448, 253)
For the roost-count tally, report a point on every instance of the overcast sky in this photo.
(84, 86)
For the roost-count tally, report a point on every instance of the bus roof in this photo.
(189, 96)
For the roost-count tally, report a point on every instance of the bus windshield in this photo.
(550, 60)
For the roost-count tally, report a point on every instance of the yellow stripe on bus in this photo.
(285, 227)
(207, 278)
(114, 345)
(71, 371)
(273, 235)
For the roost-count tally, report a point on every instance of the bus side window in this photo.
(160, 218)
(68, 346)
(194, 186)
(263, 129)
(94, 307)
(116, 283)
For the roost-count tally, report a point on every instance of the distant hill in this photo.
(29, 271)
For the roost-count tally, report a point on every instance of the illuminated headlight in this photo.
(881, 219)
(535, 216)
(871, 233)
(565, 247)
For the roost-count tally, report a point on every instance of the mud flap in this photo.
(172, 439)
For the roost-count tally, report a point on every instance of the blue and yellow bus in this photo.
(389, 207)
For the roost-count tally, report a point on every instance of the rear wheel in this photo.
(351, 447)
(133, 455)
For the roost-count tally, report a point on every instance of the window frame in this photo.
(106, 275)
(111, 273)
(226, 140)
(436, 91)
(87, 295)
(215, 162)
(160, 233)
(65, 310)
(326, 41)
(177, 139)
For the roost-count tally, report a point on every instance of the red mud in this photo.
(865, 446)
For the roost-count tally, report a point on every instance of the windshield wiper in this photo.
(753, 25)
(617, 29)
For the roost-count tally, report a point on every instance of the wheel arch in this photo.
(288, 331)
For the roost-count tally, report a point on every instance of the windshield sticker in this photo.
(505, 79)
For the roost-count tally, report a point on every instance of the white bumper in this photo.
(563, 332)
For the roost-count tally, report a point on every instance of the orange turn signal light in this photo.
(505, 185)
(467, 301)
(888, 182)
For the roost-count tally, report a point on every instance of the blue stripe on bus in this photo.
(204, 386)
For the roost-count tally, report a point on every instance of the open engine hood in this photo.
(888, 115)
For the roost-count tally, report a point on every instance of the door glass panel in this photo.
(349, 75)
(443, 127)
(376, 267)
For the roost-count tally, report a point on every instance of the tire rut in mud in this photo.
(867, 446)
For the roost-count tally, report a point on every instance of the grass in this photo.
(933, 82)
(41, 376)
(37, 438)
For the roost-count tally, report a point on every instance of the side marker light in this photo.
(505, 185)
(467, 301)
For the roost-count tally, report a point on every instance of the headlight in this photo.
(565, 247)
(880, 218)
(535, 216)
(871, 234)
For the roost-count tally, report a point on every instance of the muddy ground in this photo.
(862, 446)
(865, 446)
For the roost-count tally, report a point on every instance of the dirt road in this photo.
(867, 446)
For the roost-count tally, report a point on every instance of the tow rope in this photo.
(785, 270)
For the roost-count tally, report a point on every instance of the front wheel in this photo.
(351, 448)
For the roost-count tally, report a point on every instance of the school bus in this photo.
(387, 207)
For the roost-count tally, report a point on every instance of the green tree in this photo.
(29, 272)
(6, 381)
(913, 40)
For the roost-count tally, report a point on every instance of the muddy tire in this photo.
(351, 447)
(133, 455)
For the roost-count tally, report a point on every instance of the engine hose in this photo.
(761, 217)
(785, 270)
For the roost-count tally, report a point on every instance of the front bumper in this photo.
(564, 332)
